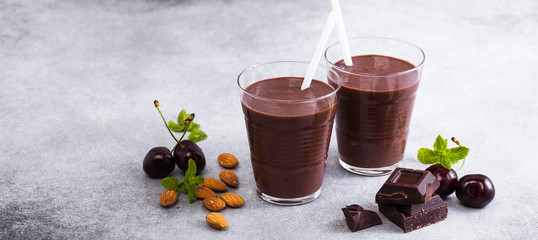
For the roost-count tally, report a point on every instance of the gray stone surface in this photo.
(78, 78)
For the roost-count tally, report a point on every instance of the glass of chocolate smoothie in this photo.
(375, 102)
(288, 129)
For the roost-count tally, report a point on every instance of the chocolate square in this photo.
(433, 202)
(407, 186)
(357, 218)
(435, 211)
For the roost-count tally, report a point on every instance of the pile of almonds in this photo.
(210, 199)
(211, 185)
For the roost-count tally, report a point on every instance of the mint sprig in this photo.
(187, 185)
(170, 183)
(442, 154)
(183, 125)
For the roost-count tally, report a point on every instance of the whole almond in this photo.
(229, 177)
(168, 198)
(216, 220)
(228, 160)
(214, 204)
(215, 184)
(232, 200)
(204, 192)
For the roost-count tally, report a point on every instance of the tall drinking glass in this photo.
(289, 130)
(375, 102)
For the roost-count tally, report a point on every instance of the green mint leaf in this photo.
(182, 116)
(191, 171)
(440, 144)
(427, 156)
(191, 191)
(193, 127)
(183, 188)
(457, 153)
(197, 136)
(174, 127)
(196, 180)
(441, 154)
(190, 181)
(445, 161)
(170, 183)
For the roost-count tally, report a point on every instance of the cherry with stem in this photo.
(187, 149)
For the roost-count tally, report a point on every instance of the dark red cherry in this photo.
(475, 190)
(186, 150)
(448, 179)
(158, 162)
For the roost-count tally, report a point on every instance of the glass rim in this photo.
(334, 92)
(418, 66)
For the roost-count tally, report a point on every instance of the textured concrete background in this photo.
(78, 78)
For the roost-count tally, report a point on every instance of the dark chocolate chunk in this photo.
(354, 208)
(437, 211)
(434, 201)
(357, 218)
(407, 186)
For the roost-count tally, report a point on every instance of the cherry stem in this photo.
(455, 141)
(189, 119)
(463, 163)
(156, 103)
(458, 142)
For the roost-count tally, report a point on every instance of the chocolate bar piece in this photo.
(434, 201)
(357, 218)
(399, 215)
(407, 186)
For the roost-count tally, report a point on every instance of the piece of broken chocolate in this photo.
(357, 218)
(433, 202)
(407, 186)
(434, 210)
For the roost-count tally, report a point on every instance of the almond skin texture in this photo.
(216, 220)
(215, 184)
(214, 204)
(232, 200)
(204, 192)
(229, 177)
(228, 160)
(168, 198)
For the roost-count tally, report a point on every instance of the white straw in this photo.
(342, 33)
(319, 50)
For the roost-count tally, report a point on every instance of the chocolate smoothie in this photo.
(374, 112)
(288, 140)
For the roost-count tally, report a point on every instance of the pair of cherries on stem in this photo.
(159, 162)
